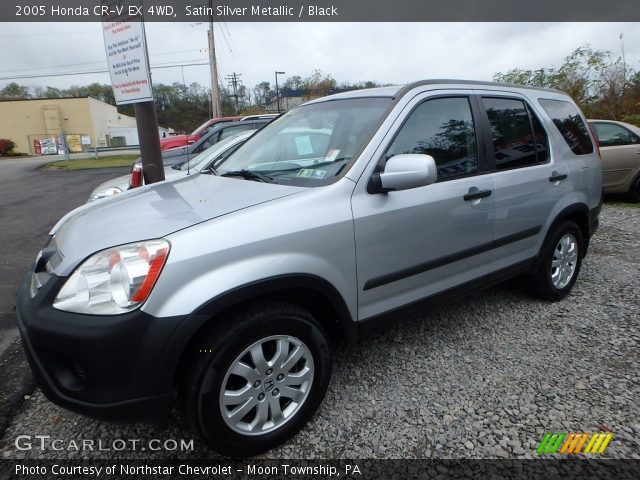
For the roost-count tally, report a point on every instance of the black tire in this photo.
(542, 284)
(220, 347)
(633, 195)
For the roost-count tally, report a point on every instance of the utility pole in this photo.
(216, 108)
(278, 90)
(233, 82)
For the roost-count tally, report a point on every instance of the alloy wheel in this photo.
(266, 385)
(564, 261)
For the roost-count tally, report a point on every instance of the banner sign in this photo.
(126, 49)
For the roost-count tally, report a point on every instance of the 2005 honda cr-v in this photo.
(346, 213)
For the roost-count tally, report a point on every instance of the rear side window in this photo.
(518, 137)
(612, 135)
(567, 120)
(442, 128)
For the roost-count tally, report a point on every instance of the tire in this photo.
(552, 282)
(633, 195)
(269, 385)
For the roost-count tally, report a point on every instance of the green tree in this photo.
(13, 91)
(598, 82)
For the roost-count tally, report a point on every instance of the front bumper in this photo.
(105, 367)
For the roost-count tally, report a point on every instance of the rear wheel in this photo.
(561, 260)
(258, 378)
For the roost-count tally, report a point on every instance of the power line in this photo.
(101, 62)
(89, 72)
(237, 56)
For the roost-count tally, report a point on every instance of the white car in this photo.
(199, 163)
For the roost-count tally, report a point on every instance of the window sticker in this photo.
(332, 155)
(311, 173)
(303, 145)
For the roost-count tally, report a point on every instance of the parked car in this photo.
(269, 116)
(184, 140)
(620, 151)
(201, 162)
(228, 287)
(219, 132)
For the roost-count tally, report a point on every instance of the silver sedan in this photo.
(203, 161)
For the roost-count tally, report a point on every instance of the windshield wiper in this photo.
(249, 175)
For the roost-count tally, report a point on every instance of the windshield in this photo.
(210, 153)
(311, 145)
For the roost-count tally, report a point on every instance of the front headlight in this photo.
(107, 192)
(114, 281)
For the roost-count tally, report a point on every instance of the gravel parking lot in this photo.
(485, 377)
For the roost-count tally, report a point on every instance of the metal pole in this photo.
(278, 90)
(148, 136)
(149, 139)
(277, 93)
(216, 108)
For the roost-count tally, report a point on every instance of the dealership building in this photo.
(36, 124)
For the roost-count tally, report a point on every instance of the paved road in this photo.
(30, 204)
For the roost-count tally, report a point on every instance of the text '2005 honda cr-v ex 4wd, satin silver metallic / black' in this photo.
(344, 214)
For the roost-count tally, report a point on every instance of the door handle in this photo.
(473, 195)
(557, 177)
(638, 152)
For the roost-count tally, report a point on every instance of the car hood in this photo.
(154, 211)
(123, 182)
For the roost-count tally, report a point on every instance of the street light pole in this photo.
(278, 90)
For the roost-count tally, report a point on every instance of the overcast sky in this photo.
(384, 52)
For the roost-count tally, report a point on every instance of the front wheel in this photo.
(560, 263)
(259, 376)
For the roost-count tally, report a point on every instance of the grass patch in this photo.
(91, 162)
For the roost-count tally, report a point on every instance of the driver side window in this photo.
(442, 128)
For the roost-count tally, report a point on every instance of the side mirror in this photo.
(403, 172)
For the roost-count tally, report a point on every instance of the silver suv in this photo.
(345, 214)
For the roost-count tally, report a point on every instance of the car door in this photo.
(620, 152)
(527, 183)
(415, 243)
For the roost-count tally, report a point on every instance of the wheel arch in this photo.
(314, 294)
(577, 212)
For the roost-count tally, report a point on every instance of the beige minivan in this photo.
(620, 151)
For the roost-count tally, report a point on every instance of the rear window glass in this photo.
(567, 120)
(518, 137)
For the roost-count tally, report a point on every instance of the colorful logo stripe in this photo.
(572, 443)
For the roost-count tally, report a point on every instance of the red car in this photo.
(183, 140)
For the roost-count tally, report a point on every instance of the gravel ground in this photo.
(485, 377)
